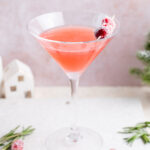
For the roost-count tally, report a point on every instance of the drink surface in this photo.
(70, 34)
(72, 57)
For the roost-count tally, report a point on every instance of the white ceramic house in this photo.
(18, 81)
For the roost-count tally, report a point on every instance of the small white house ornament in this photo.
(18, 81)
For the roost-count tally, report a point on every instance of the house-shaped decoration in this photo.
(18, 81)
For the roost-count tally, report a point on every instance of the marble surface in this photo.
(106, 116)
(110, 67)
(142, 93)
(106, 101)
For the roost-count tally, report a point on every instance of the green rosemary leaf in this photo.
(147, 122)
(10, 133)
(145, 138)
(1, 145)
(7, 139)
(136, 132)
(7, 146)
(134, 137)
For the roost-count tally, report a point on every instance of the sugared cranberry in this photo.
(101, 33)
(17, 145)
(106, 29)
(106, 20)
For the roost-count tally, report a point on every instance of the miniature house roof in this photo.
(17, 67)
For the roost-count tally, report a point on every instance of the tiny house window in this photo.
(3, 96)
(20, 78)
(28, 94)
(13, 88)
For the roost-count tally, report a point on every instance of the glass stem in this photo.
(74, 86)
(74, 83)
(74, 135)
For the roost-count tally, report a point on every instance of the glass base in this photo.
(74, 139)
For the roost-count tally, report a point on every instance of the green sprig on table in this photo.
(7, 140)
(140, 131)
(144, 56)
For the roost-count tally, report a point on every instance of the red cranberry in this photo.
(106, 20)
(101, 33)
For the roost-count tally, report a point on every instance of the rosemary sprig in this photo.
(7, 140)
(140, 131)
(144, 57)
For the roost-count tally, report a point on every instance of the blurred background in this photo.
(110, 68)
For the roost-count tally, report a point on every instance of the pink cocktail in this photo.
(73, 57)
(73, 40)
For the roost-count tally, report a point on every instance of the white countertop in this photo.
(115, 106)
(143, 93)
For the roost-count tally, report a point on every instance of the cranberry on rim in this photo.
(106, 29)
(101, 33)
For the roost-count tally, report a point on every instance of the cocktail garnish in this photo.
(106, 29)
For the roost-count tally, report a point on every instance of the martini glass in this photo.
(69, 38)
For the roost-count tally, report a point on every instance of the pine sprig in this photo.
(147, 44)
(7, 140)
(144, 56)
(136, 71)
(137, 132)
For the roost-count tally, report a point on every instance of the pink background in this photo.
(111, 67)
